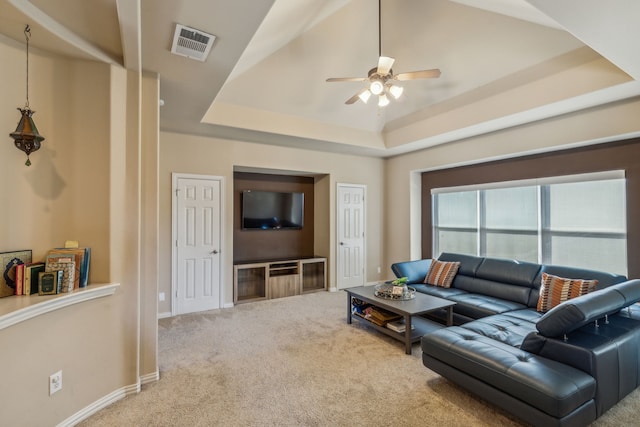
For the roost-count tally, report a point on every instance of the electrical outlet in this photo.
(161, 296)
(379, 270)
(55, 382)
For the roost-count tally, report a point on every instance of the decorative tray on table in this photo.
(391, 291)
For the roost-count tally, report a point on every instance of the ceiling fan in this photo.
(381, 78)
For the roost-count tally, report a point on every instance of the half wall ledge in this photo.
(17, 309)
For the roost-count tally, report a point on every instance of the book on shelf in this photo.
(82, 258)
(380, 316)
(398, 326)
(366, 317)
(66, 264)
(48, 283)
(31, 277)
(19, 278)
(8, 262)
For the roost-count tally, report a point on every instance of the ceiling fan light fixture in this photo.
(376, 87)
(396, 91)
(365, 95)
(379, 79)
(383, 101)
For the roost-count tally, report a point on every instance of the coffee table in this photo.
(408, 309)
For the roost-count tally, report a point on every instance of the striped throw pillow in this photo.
(441, 273)
(556, 290)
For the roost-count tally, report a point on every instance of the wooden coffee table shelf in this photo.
(410, 310)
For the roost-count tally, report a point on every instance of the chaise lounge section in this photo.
(562, 367)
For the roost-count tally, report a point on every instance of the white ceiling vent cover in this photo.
(191, 43)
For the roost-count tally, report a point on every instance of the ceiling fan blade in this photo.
(346, 79)
(423, 74)
(384, 65)
(353, 99)
(360, 96)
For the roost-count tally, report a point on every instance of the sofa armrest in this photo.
(608, 351)
(415, 271)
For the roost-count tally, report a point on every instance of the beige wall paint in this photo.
(150, 225)
(74, 340)
(208, 156)
(52, 200)
(322, 215)
(610, 122)
(76, 189)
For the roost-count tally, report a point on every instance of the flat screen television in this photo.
(271, 210)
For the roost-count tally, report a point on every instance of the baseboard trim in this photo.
(150, 378)
(164, 315)
(109, 399)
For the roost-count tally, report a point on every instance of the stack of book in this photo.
(380, 316)
(64, 267)
(63, 270)
(72, 267)
(23, 276)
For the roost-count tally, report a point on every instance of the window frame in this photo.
(543, 230)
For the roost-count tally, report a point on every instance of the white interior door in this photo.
(351, 235)
(197, 225)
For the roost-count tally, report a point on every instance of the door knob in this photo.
(341, 243)
(215, 251)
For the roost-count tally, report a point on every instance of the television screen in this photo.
(269, 210)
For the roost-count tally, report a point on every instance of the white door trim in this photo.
(364, 228)
(175, 176)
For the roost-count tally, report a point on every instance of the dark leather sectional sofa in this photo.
(565, 367)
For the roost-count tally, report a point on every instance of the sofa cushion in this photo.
(527, 314)
(556, 290)
(500, 290)
(437, 291)
(509, 271)
(577, 312)
(502, 327)
(477, 306)
(441, 273)
(468, 263)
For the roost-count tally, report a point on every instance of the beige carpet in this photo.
(295, 362)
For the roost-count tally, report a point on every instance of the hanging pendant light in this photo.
(26, 136)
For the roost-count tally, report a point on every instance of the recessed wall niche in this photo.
(265, 245)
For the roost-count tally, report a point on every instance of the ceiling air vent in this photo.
(192, 43)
